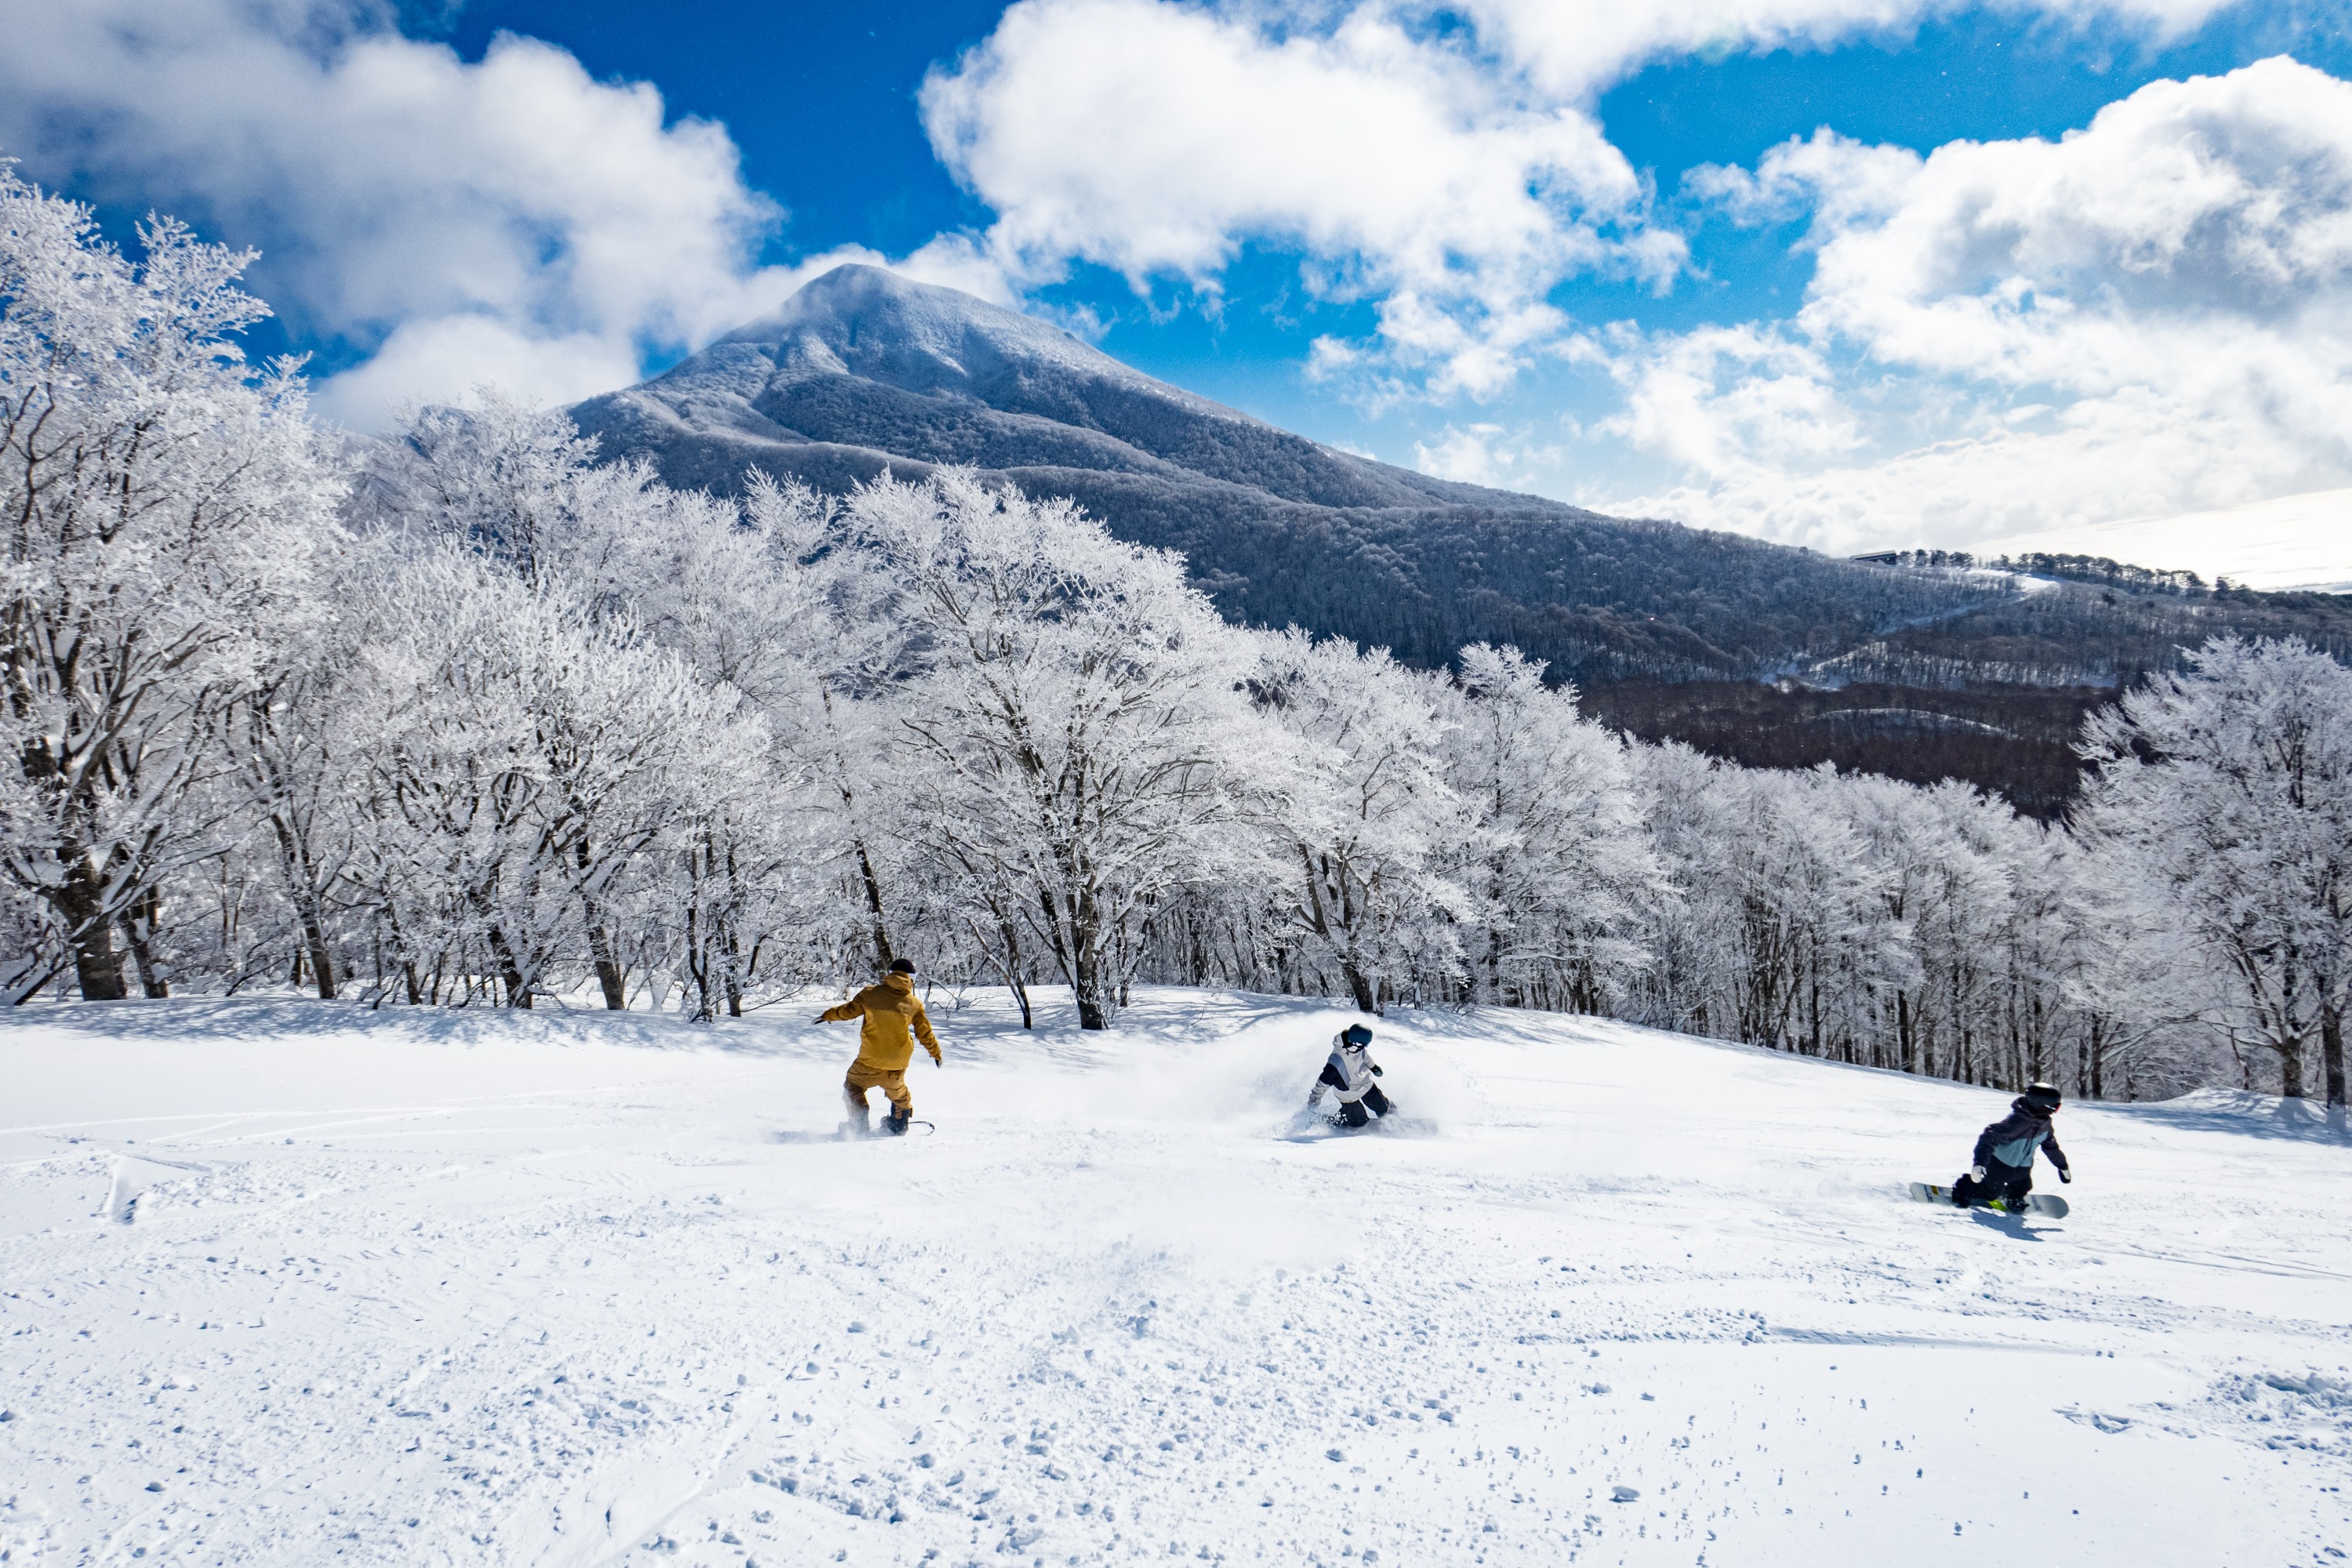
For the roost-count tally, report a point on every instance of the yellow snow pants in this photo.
(891, 1081)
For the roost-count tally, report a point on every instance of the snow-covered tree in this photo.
(2224, 801)
(1079, 738)
(1555, 859)
(1366, 812)
(469, 714)
(167, 507)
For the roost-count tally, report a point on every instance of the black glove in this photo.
(2065, 1174)
(1376, 1072)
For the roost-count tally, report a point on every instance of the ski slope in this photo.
(571, 1288)
(2295, 544)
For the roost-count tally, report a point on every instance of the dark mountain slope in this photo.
(862, 372)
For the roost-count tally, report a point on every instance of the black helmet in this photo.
(902, 966)
(1355, 1034)
(2042, 1097)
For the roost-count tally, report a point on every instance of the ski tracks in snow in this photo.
(1637, 1299)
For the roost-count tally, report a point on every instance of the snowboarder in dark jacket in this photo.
(1350, 1071)
(2004, 1153)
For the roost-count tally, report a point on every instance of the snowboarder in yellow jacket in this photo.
(891, 1020)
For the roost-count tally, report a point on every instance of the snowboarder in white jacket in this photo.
(2003, 1167)
(1349, 1072)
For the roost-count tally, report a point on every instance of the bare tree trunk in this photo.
(600, 945)
(1077, 944)
(143, 955)
(609, 978)
(734, 975)
(1013, 969)
(1359, 986)
(306, 907)
(322, 958)
(510, 971)
(699, 966)
(139, 922)
(2331, 1053)
(882, 954)
(97, 967)
(1087, 973)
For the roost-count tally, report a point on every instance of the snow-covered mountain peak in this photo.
(864, 370)
(872, 323)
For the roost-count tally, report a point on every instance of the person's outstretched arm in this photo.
(2057, 1155)
(923, 1032)
(853, 1008)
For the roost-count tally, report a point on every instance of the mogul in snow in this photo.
(891, 1019)
(2003, 1168)
(1349, 1072)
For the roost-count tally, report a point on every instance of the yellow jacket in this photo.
(888, 1009)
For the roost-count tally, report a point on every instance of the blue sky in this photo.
(1845, 272)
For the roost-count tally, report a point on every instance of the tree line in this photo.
(466, 717)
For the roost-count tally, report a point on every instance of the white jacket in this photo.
(1348, 1071)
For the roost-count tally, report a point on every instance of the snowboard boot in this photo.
(896, 1123)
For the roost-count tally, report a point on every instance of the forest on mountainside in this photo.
(2016, 741)
(1994, 697)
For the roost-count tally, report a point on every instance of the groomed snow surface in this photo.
(567, 1289)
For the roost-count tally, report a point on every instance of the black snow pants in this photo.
(1352, 1112)
(2007, 1183)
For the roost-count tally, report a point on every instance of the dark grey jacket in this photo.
(2012, 1139)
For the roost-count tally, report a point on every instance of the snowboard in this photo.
(852, 1133)
(2049, 1204)
(1310, 1126)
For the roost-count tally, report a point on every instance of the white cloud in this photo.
(1454, 175)
(1581, 48)
(1723, 401)
(512, 221)
(446, 359)
(1157, 138)
(2150, 315)
(1484, 454)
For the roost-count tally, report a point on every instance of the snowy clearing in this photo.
(2292, 544)
(571, 1288)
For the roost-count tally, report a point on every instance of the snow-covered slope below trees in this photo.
(489, 1287)
(2295, 543)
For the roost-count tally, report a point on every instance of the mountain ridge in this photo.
(864, 372)
(930, 345)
